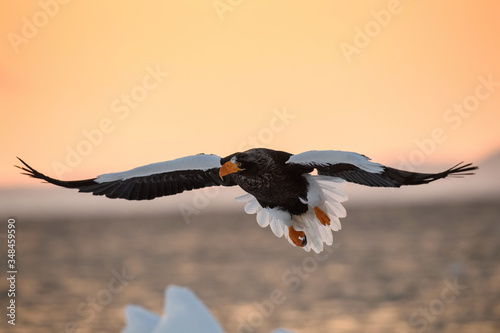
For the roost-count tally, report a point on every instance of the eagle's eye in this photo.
(239, 164)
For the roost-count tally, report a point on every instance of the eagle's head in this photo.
(252, 161)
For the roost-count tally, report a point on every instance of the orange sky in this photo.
(294, 75)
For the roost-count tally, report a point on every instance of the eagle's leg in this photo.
(321, 216)
(298, 237)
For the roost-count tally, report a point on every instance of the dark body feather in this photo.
(271, 181)
(276, 178)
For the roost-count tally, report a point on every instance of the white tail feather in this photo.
(278, 227)
(330, 197)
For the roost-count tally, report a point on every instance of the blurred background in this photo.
(88, 88)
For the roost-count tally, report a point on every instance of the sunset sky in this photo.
(90, 87)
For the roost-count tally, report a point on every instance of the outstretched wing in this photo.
(357, 168)
(149, 181)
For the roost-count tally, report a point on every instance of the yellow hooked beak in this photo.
(227, 168)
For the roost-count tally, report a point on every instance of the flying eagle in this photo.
(280, 189)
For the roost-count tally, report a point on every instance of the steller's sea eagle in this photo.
(281, 190)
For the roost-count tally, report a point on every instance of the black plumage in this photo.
(141, 188)
(283, 193)
(274, 183)
(267, 174)
(390, 177)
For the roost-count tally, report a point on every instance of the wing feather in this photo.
(357, 168)
(149, 181)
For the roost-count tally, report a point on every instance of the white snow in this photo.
(183, 313)
(140, 319)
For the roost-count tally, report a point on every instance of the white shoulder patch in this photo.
(194, 162)
(326, 157)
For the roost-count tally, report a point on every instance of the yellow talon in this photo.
(298, 237)
(322, 216)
